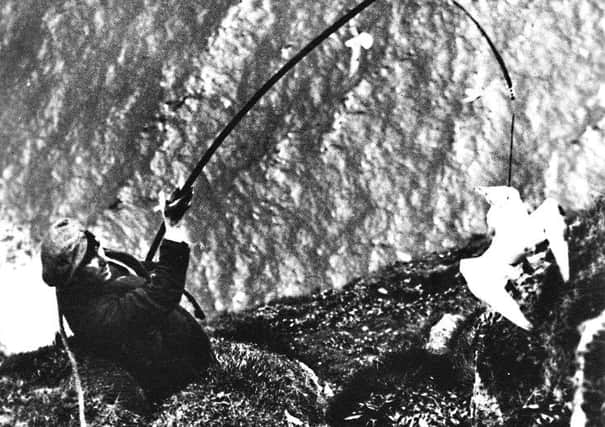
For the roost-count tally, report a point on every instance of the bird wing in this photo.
(549, 223)
(487, 279)
(366, 40)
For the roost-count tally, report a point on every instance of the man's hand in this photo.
(173, 211)
(174, 208)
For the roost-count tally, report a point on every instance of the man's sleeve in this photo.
(146, 305)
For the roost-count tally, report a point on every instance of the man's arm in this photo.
(147, 305)
(115, 314)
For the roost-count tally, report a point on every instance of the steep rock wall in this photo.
(332, 174)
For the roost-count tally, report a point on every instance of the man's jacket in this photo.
(136, 320)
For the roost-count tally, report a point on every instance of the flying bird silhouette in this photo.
(515, 233)
(358, 41)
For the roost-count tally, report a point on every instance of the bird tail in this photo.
(560, 251)
(509, 308)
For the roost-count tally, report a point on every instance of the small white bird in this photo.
(515, 232)
(358, 41)
(472, 94)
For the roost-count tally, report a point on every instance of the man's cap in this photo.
(63, 249)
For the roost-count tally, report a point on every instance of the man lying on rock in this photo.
(128, 311)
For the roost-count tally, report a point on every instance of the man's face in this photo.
(97, 267)
(94, 266)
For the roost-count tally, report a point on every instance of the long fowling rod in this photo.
(252, 101)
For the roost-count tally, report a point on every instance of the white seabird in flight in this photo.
(515, 232)
(358, 41)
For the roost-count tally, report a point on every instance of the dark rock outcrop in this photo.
(589, 379)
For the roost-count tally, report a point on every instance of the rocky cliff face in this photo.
(335, 172)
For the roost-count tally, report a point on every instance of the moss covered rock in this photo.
(251, 387)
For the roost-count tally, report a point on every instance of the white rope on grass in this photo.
(74, 366)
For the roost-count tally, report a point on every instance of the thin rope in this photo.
(507, 78)
(74, 366)
(510, 156)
